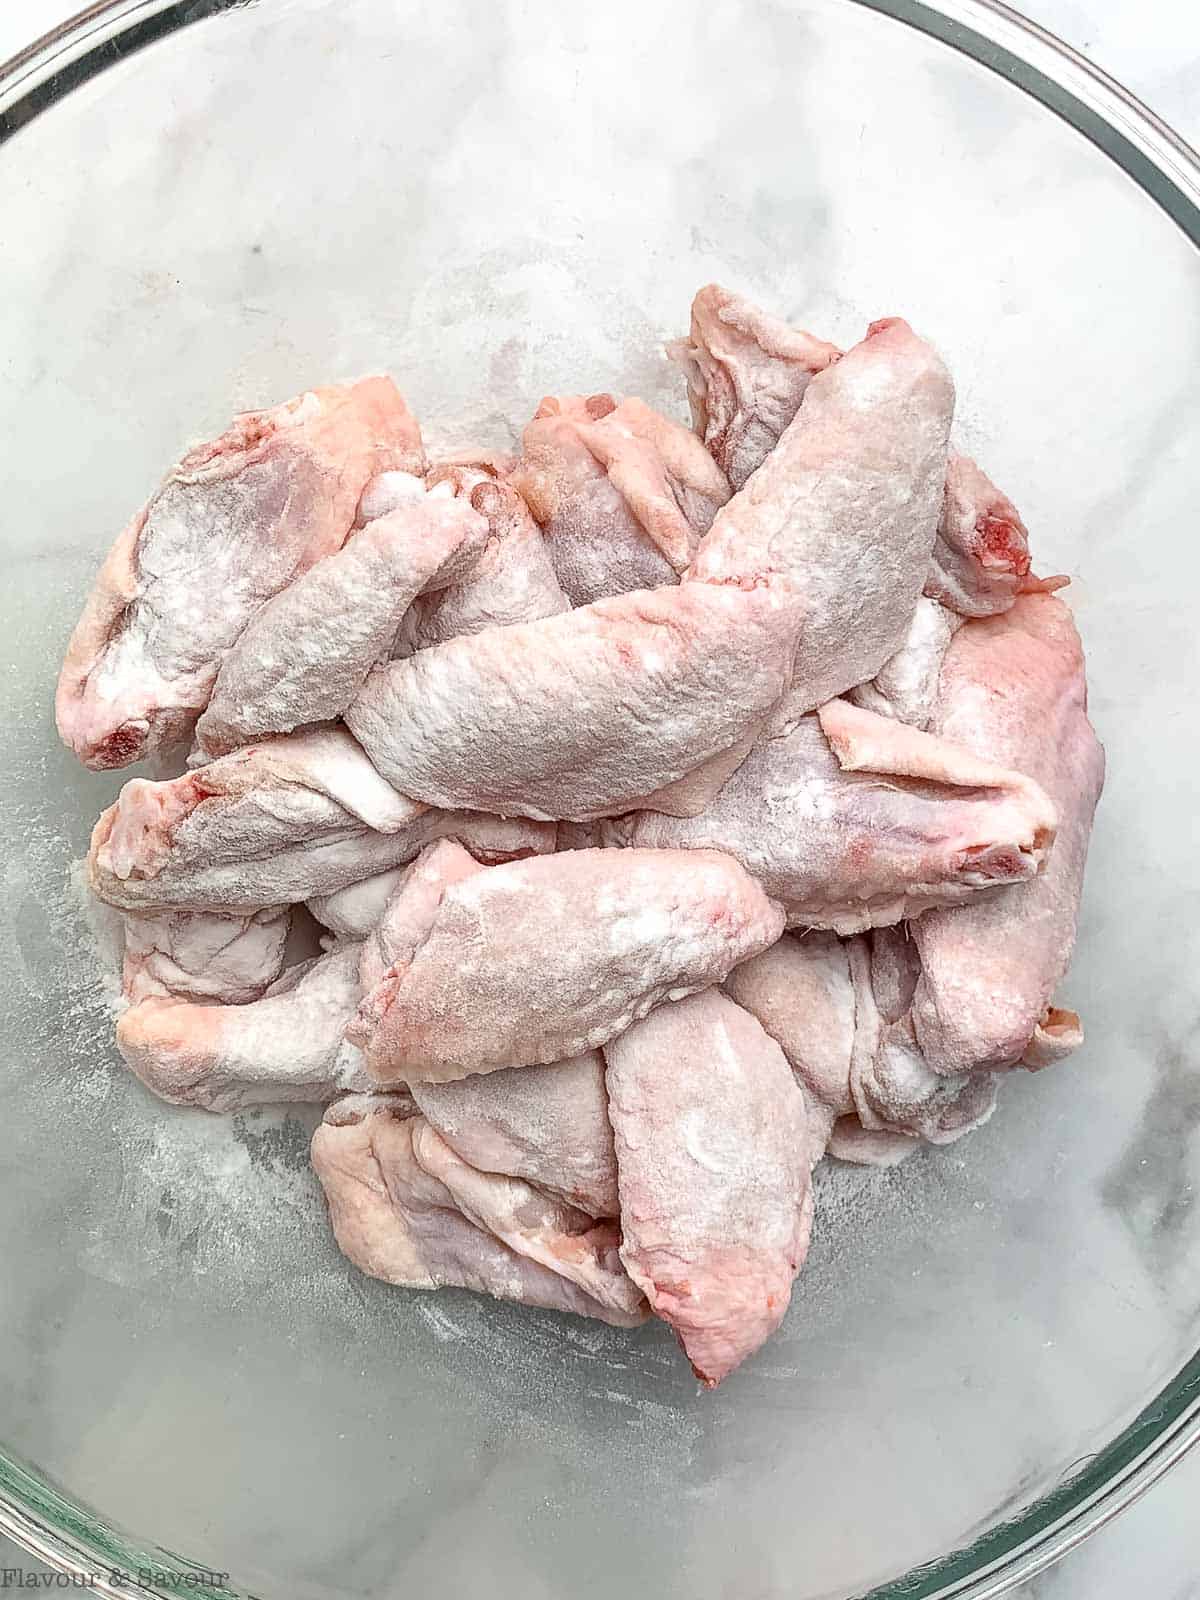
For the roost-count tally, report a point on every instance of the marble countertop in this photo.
(1154, 48)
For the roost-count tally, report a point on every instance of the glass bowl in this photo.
(210, 206)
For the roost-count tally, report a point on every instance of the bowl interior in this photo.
(496, 203)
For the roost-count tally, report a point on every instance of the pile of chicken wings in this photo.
(678, 806)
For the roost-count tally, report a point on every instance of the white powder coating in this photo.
(166, 1193)
(553, 702)
(388, 491)
(550, 957)
(846, 507)
(303, 656)
(255, 508)
(845, 849)
(103, 935)
(354, 911)
(285, 820)
(713, 1170)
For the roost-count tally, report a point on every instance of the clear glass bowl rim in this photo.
(70, 1538)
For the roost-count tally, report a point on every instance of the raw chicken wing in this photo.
(280, 821)
(288, 1046)
(306, 653)
(200, 955)
(747, 373)
(1013, 689)
(547, 1124)
(845, 509)
(981, 553)
(852, 821)
(400, 1221)
(540, 720)
(622, 493)
(546, 958)
(234, 523)
(839, 1011)
(513, 580)
(713, 1172)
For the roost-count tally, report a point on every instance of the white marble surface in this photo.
(1154, 48)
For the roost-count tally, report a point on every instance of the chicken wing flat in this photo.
(713, 1172)
(747, 373)
(842, 1019)
(231, 525)
(546, 958)
(853, 821)
(304, 656)
(845, 508)
(1013, 689)
(547, 1124)
(281, 821)
(695, 669)
(622, 493)
(406, 1210)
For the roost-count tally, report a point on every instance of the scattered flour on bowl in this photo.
(157, 1192)
(180, 1207)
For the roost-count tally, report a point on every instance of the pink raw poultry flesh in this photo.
(288, 1046)
(545, 958)
(405, 1210)
(845, 1026)
(304, 656)
(696, 669)
(203, 955)
(554, 747)
(1013, 686)
(513, 580)
(713, 1173)
(852, 821)
(747, 373)
(277, 822)
(845, 507)
(547, 1124)
(622, 493)
(252, 510)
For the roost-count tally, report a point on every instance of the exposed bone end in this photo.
(1058, 1035)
